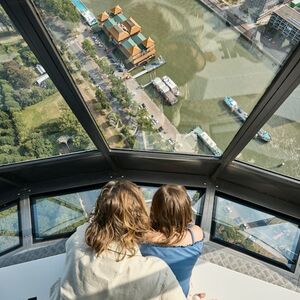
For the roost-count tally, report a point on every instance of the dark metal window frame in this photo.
(29, 24)
(244, 250)
(8, 206)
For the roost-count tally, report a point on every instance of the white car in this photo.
(251, 238)
(171, 142)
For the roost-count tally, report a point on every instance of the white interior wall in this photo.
(34, 279)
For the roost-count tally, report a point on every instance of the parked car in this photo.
(244, 226)
(251, 238)
(171, 142)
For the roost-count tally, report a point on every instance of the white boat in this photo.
(172, 85)
(164, 90)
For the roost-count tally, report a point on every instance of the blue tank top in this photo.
(181, 259)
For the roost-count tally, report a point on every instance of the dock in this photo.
(150, 67)
(207, 141)
(147, 84)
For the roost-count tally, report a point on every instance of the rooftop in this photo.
(116, 10)
(138, 38)
(103, 16)
(110, 22)
(120, 18)
(129, 43)
(289, 14)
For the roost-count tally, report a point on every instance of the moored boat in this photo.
(242, 115)
(164, 90)
(171, 84)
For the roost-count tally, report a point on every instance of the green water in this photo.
(207, 60)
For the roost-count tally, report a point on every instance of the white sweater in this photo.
(88, 277)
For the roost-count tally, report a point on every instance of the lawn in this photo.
(42, 112)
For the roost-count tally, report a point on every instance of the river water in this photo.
(209, 60)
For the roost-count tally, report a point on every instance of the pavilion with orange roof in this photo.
(126, 33)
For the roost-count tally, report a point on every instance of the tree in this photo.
(143, 120)
(63, 46)
(37, 146)
(131, 141)
(89, 48)
(5, 122)
(8, 149)
(61, 8)
(100, 95)
(19, 76)
(28, 57)
(68, 124)
(77, 64)
(85, 74)
(7, 140)
(98, 106)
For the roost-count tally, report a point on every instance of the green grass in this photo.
(43, 112)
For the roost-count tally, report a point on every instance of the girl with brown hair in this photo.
(103, 260)
(174, 239)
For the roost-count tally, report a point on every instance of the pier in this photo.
(147, 84)
(207, 141)
(86, 14)
(150, 67)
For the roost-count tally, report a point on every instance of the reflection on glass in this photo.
(256, 231)
(9, 229)
(196, 196)
(60, 215)
(155, 73)
(34, 120)
(282, 154)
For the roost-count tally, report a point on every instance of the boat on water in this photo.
(86, 14)
(208, 141)
(164, 90)
(242, 115)
(171, 84)
(154, 64)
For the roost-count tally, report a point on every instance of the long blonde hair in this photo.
(171, 212)
(120, 216)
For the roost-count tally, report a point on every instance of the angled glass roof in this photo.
(187, 88)
(35, 121)
(282, 155)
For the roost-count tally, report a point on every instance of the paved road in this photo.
(170, 131)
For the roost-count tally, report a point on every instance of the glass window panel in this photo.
(210, 50)
(282, 153)
(256, 231)
(196, 196)
(59, 215)
(35, 122)
(10, 236)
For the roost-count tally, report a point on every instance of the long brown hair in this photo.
(171, 212)
(120, 216)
